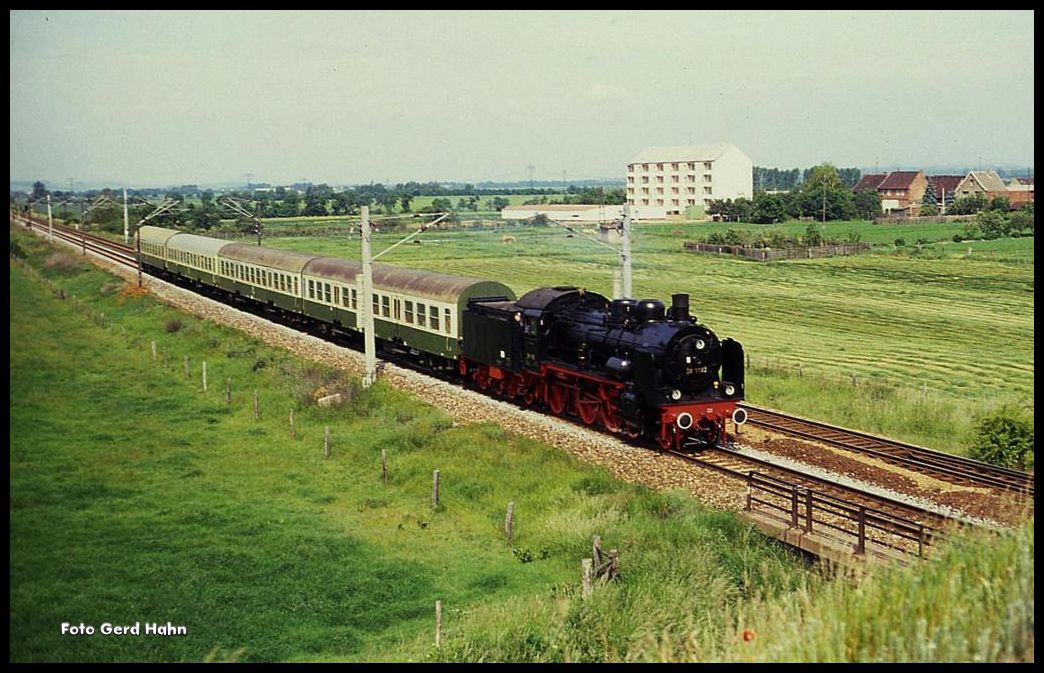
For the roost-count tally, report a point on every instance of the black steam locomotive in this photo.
(628, 365)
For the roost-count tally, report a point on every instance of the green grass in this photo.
(932, 319)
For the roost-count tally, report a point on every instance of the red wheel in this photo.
(588, 410)
(610, 420)
(556, 399)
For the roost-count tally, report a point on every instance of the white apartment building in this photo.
(685, 179)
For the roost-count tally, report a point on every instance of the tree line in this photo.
(824, 193)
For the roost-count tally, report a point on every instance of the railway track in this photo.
(945, 466)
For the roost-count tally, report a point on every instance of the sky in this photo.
(151, 98)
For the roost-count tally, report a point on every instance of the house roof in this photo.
(681, 153)
(988, 180)
(869, 181)
(899, 180)
(945, 183)
(1020, 181)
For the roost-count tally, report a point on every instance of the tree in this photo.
(812, 236)
(404, 200)
(1004, 437)
(867, 204)
(39, 191)
(992, 224)
(824, 194)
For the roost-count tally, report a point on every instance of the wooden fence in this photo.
(772, 254)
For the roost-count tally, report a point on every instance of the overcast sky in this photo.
(156, 97)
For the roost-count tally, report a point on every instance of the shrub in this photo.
(1004, 437)
(900, 242)
(173, 325)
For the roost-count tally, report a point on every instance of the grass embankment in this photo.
(933, 336)
(135, 496)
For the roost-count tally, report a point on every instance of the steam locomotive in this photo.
(633, 367)
(630, 366)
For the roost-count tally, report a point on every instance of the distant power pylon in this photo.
(531, 167)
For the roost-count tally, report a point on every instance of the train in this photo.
(633, 367)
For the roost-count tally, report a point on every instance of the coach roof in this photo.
(284, 260)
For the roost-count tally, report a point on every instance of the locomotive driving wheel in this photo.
(589, 409)
(557, 397)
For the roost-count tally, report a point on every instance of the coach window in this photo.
(311, 289)
(422, 317)
(337, 294)
(376, 305)
(355, 298)
(297, 286)
(446, 321)
(397, 309)
(434, 317)
(409, 312)
(327, 294)
(385, 306)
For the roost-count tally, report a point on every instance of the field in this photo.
(912, 342)
(137, 496)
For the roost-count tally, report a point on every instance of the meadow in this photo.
(912, 342)
(137, 496)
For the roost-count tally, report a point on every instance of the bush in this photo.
(900, 242)
(173, 325)
(1004, 437)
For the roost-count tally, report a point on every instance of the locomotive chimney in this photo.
(680, 307)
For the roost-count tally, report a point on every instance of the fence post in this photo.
(293, 431)
(204, 376)
(794, 506)
(509, 524)
(808, 510)
(228, 391)
(384, 465)
(435, 489)
(861, 544)
(585, 578)
(326, 441)
(153, 351)
(257, 406)
(438, 623)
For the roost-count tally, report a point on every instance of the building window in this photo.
(659, 167)
(675, 178)
(706, 190)
(692, 165)
(376, 305)
(355, 299)
(674, 166)
(386, 306)
(706, 177)
(706, 165)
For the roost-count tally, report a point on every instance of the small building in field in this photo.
(581, 212)
(987, 183)
(900, 191)
(1020, 192)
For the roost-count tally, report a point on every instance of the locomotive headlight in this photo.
(730, 390)
(675, 394)
(700, 344)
